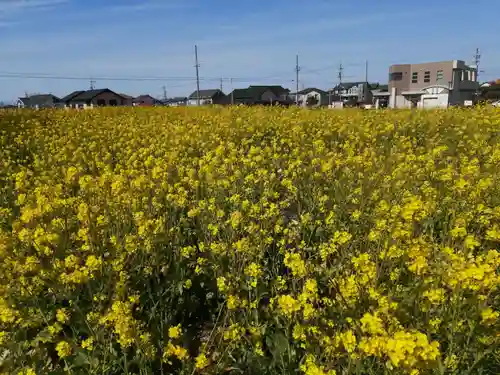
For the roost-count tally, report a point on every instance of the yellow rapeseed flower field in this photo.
(249, 241)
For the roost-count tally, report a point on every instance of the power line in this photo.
(134, 78)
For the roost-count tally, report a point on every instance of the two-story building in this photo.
(206, 97)
(311, 97)
(352, 93)
(431, 85)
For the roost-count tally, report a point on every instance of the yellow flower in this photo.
(175, 350)
(296, 264)
(174, 332)
(201, 361)
(88, 344)
(488, 316)
(288, 305)
(63, 349)
(62, 315)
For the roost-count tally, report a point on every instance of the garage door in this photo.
(431, 102)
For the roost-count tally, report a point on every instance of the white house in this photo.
(212, 96)
(312, 97)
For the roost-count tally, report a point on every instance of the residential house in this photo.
(212, 96)
(7, 106)
(145, 101)
(259, 95)
(92, 98)
(431, 85)
(39, 101)
(381, 96)
(128, 99)
(490, 91)
(312, 97)
(353, 93)
(175, 102)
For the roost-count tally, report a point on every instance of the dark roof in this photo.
(243, 94)
(90, 94)
(276, 89)
(125, 96)
(177, 99)
(491, 87)
(371, 86)
(382, 87)
(254, 93)
(72, 95)
(311, 89)
(41, 100)
(348, 85)
(206, 94)
(141, 98)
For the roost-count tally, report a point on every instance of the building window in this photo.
(101, 102)
(427, 76)
(414, 77)
(396, 76)
(439, 75)
(113, 102)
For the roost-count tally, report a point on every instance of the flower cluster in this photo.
(249, 240)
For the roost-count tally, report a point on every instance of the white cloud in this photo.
(12, 7)
(149, 5)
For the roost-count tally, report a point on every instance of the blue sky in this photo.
(254, 42)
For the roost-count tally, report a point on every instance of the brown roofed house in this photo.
(99, 98)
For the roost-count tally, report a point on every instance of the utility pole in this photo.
(477, 60)
(221, 84)
(297, 70)
(92, 82)
(164, 92)
(232, 92)
(341, 69)
(197, 75)
(366, 71)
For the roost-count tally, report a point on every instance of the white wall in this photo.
(434, 101)
(202, 101)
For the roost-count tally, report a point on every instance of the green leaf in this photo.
(278, 345)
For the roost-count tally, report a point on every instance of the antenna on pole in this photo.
(164, 92)
(477, 60)
(221, 84)
(92, 82)
(366, 71)
(297, 70)
(197, 75)
(341, 69)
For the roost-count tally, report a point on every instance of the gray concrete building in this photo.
(431, 85)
